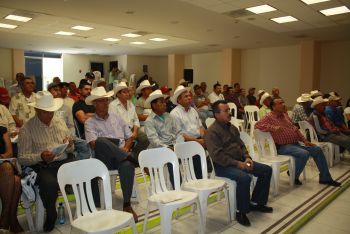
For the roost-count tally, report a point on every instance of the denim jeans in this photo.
(302, 154)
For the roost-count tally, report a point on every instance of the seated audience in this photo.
(37, 138)
(260, 93)
(5, 99)
(347, 115)
(6, 120)
(144, 89)
(315, 93)
(202, 104)
(56, 80)
(10, 186)
(265, 101)
(237, 89)
(216, 94)
(73, 92)
(16, 88)
(243, 100)
(204, 89)
(90, 77)
(275, 93)
(67, 101)
(302, 110)
(251, 97)
(232, 160)
(290, 141)
(335, 114)
(111, 139)
(234, 98)
(169, 105)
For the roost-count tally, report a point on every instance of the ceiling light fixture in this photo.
(335, 11)
(111, 39)
(158, 39)
(82, 28)
(138, 42)
(284, 19)
(261, 9)
(309, 2)
(63, 33)
(8, 26)
(18, 18)
(131, 35)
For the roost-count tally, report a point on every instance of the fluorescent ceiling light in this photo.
(284, 19)
(335, 11)
(18, 18)
(131, 35)
(82, 28)
(111, 39)
(138, 42)
(9, 26)
(309, 2)
(261, 9)
(64, 33)
(158, 39)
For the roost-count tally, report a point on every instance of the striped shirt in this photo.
(19, 107)
(6, 119)
(36, 137)
(129, 115)
(188, 121)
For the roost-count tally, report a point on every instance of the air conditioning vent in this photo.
(239, 13)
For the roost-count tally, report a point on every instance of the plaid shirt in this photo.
(298, 113)
(290, 134)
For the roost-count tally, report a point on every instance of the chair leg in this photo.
(203, 202)
(133, 226)
(39, 213)
(135, 192)
(28, 211)
(291, 167)
(200, 217)
(145, 219)
(165, 220)
(227, 194)
(276, 178)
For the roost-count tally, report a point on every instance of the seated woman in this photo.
(10, 186)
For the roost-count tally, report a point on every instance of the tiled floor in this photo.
(334, 218)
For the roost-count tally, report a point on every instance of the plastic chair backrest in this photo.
(79, 174)
(209, 122)
(252, 111)
(234, 122)
(185, 152)
(248, 141)
(76, 128)
(233, 107)
(305, 128)
(155, 160)
(261, 138)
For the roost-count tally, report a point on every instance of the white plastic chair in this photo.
(275, 159)
(327, 147)
(87, 218)
(166, 200)
(251, 112)
(209, 122)
(185, 151)
(233, 107)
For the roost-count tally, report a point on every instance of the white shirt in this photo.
(213, 97)
(188, 121)
(128, 115)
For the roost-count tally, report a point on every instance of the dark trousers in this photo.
(107, 150)
(243, 179)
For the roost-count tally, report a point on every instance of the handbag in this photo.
(28, 182)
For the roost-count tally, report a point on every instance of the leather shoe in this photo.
(49, 225)
(331, 183)
(261, 208)
(242, 219)
(297, 182)
(131, 211)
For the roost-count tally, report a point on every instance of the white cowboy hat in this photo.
(305, 97)
(178, 91)
(315, 93)
(122, 85)
(318, 100)
(97, 93)
(334, 98)
(144, 84)
(263, 97)
(261, 91)
(347, 110)
(153, 96)
(183, 81)
(45, 101)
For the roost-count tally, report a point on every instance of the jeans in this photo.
(339, 139)
(82, 149)
(302, 154)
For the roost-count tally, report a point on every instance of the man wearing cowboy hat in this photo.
(302, 110)
(144, 89)
(265, 105)
(36, 141)
(325, 128)
(123, 107)
(334, 113)
(111, 139)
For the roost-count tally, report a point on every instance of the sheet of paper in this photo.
(59, 149)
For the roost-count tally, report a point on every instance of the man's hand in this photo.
(308, 143)
(125, 149)
(47, 156)
(201, 141)
(69, 140)
(249, 164)
(241, 165)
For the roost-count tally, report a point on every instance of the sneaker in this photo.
(131, 211)
(331, 183)
(242, 219)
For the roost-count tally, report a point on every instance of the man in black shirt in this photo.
(251, 97)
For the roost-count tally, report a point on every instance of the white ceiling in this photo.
(191, 26)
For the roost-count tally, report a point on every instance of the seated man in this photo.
(111, 139)
(290, 141)
(302, 109)
(334, 113)
(202, 103)
(231, 160)
(36, 140)
(265, 105)
(216, 94)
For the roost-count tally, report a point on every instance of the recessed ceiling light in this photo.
(284, 19)
(158, 39)
(111, 39)
(131, 35)
(63, 33)
(309, 2)
(9, 26)
(335, 11)
(18, 18)
(82, 28)
(138, 42)
(261, 9)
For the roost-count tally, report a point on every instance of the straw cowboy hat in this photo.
(97, 93)
(153, 96)
(144, 84)
(334, 98)
(305, 97)
(122, 85)
(318, 100)
(315, 93)
(45, 101)
(178, 91)
(263, 97)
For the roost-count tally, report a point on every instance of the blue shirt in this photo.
(335, 116)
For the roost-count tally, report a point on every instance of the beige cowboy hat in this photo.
(45, 101)
(305, 97)
(318, 100)
(178, 91)
(153, 96)
(144, 84)
(334, 98)
(261, 91)
(97, 93)
(263, 97)
(315, 93)
(122, 85)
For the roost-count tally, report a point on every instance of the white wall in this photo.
(335, 68)
(6, 63)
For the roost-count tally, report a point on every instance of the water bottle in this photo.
(61, 215)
